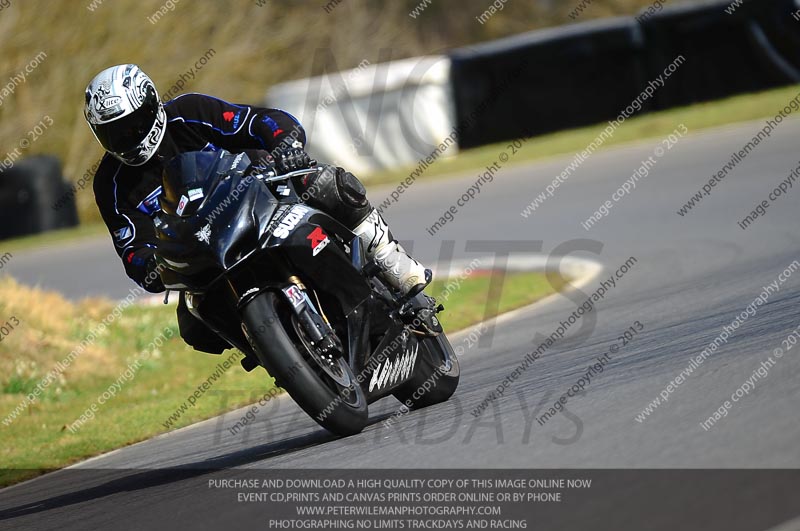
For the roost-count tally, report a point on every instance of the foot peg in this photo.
(420, 312)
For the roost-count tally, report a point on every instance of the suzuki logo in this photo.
(290, 221)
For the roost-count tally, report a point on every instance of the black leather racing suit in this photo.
(127, 196)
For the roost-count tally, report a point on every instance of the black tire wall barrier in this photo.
(584, 74)
(727, 54)
(28, 191)
(546, 80)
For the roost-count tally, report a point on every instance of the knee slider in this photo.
(339, 194)
(350, 189)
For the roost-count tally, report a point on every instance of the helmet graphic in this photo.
(125, 114)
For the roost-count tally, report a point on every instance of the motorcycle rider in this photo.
(140, 134)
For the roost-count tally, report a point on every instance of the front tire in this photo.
(337, 407)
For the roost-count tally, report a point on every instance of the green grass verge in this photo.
(50, 327)
(472, 302)
(696, 117)
(152, 390)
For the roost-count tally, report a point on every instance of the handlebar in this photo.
(297, 173)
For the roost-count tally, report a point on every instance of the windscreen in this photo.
(188, 178)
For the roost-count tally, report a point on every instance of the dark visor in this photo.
(129, 131)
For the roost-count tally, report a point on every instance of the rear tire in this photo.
(339, 409)
(437, 354)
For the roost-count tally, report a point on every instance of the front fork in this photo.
(313, 321)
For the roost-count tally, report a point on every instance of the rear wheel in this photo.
(323, 385)
(435, 376)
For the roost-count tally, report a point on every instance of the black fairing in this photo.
(226, 236)
(215, 230)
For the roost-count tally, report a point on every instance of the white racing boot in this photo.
(397, 268)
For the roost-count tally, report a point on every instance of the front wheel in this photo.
(435, 377)
(325, 388)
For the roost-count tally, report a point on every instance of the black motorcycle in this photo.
(291, 288)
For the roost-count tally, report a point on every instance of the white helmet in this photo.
(125, 114)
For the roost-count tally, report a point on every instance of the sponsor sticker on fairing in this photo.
(182, 205)
(392, 372)
(204, 234)
(319, 240)
(295, 295)
(195, 193)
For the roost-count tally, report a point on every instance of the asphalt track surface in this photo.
(693, 275)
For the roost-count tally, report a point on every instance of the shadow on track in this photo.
(157, 477)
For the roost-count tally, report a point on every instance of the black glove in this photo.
(263, 166)
(293, 159)
(152, 280)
